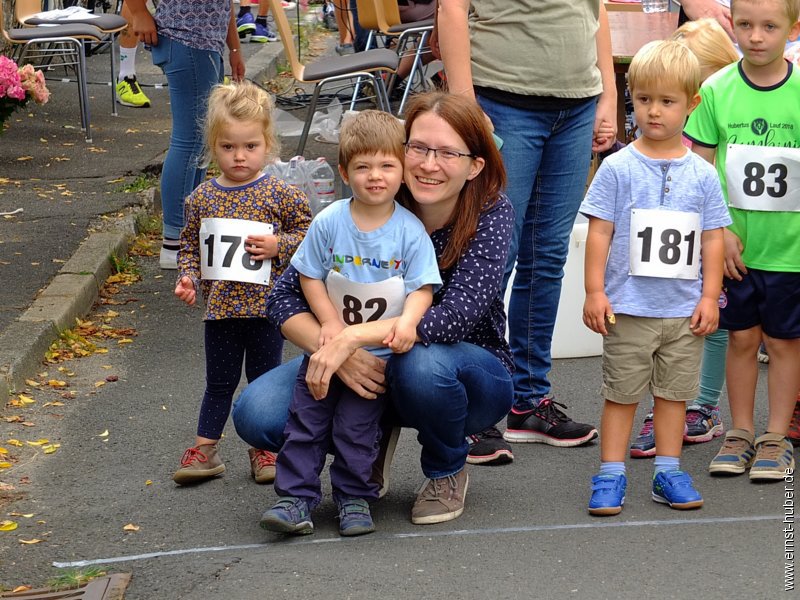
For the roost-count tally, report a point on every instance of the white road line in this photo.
(426, 534)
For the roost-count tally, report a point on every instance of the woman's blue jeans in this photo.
(191, 73)
(444, 391)
(547, 155)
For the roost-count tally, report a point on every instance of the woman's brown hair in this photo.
(467, 119)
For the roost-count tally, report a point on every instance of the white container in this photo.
(571, 338)
(650, 6)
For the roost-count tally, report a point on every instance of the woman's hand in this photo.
(326, 361)
(363, 373)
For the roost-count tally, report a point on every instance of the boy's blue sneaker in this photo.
(644, 446)
(703, 424)
(608, 494)
(354, 516)
(289, 515)
(774, 458)
(676, 489)
(246, 24)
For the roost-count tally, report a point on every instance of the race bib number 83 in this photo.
(223, 256)
(763, 178)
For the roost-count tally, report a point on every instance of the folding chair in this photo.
(42, 45)
(371, 65)
(382, 17)
(109, 24)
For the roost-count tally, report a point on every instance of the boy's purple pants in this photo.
(342, 423)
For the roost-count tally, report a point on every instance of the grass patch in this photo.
(73, 578)
(142, 182)
(124, 265)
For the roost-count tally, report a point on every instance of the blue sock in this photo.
(612, 468)
(666, 463)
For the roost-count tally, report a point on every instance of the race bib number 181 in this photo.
(223, 256)
(665, 243)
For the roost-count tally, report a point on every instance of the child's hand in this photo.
(261, 247)
(734, 267)
(605, 133)
(329, 330)
(402, 336)
(705, 318)
(185, 290)
(596, 309)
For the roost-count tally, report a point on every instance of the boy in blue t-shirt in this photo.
(363, 259)
(653, 275)
(749, 124)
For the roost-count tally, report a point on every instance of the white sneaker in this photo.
(168, 259)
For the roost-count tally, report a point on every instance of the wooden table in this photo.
(629, 32)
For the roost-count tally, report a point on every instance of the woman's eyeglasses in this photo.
(439, 154)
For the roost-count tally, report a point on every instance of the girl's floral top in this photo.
(268, 200)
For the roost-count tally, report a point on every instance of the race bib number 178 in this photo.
(223, 255)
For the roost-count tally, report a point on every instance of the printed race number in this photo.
(352, 312)
(763, 178)
(665, 243)
(223, 256)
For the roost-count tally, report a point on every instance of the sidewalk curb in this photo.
(74, 290)
(70, 295)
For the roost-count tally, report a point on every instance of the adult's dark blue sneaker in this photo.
(246, 24)
(354, 516)
(608, 494)
(289, 515)
(676, 489)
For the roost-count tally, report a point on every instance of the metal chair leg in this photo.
(353, 100)
(312, 109)
(114, 112)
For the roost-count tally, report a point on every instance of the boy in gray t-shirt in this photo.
(654, 210)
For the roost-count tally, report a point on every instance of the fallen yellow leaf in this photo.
(26, 399)
(130, 527)
(39, 442)
(16, 514)
(101, 351)
(5, 465)
(20, 588)
(50, 448)
(3, 450)
(98, 384)
(33, 541)
(56, 383)
(104, 434)
(32, 383)
(148, 482)
(8, 525)
(56, 403)
(16, 443)
(125, 341)
(25, 158)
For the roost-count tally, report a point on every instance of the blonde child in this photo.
(714, 50)
(241, 230)
(748, 124)
(364, 259)
(655, 225)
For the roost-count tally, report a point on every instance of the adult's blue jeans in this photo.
(191, 73)
(547, 155)
(444, 391)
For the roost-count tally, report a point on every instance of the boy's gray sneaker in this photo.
(288, 515)
(774, 458)
(736, 454)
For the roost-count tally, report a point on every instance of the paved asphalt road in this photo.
(525, 532)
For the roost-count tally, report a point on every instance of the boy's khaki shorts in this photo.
(642, 352)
